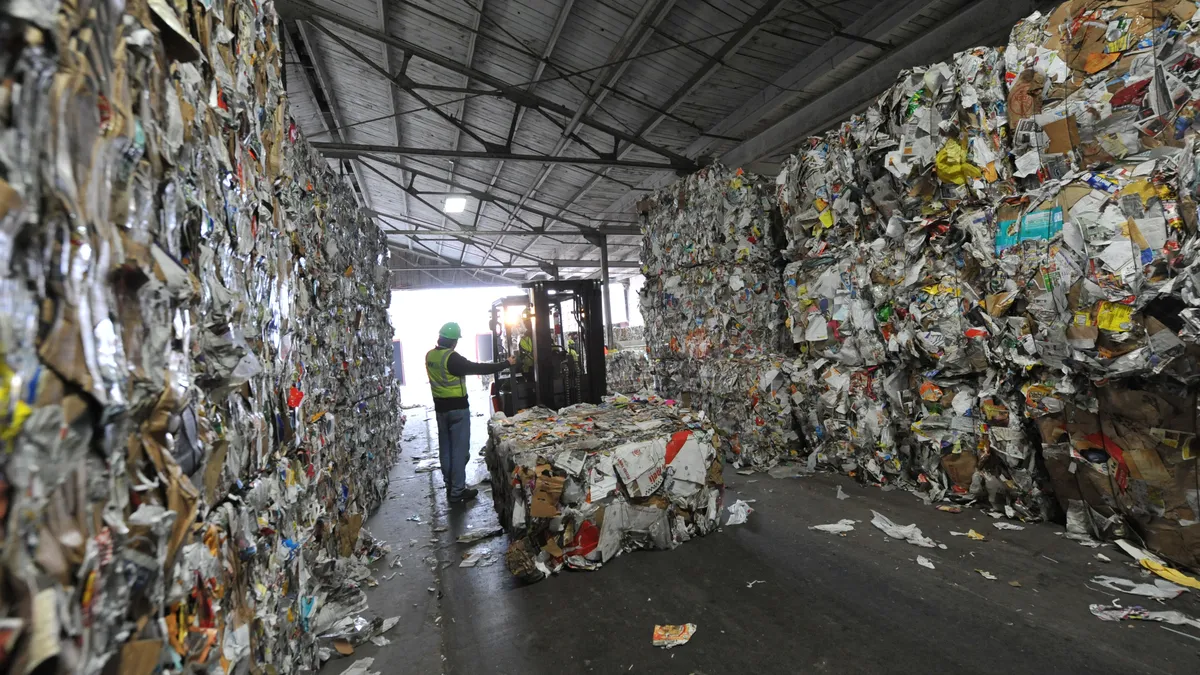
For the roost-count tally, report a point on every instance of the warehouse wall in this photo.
(196, 403)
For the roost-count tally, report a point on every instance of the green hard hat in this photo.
(451, 331)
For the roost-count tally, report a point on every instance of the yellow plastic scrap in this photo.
(13, 411)
(952, 164)
(1170, 574)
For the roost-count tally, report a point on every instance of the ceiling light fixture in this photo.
(455, 205)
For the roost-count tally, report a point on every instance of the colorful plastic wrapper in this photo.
(578, 487)
(197, 410)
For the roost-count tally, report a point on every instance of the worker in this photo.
(447, 371)
(571, 348)
(525, 348)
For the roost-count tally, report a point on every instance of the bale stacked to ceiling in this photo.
(196, 405)
(712, 305)
(1008, 241)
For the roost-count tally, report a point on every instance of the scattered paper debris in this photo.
(986, 575)
(1015, 584)
(925, 562)
(479, 535)
(946, 508)
(360, 667)
(1005, 525)
(750, 584)
(1114, 613)
(739, 512)
(840, 527)
(971, 534)
(1157, 565)
(1159, 589)
(910, 533)
(668, 636)
(1103, 558)
(841, 494)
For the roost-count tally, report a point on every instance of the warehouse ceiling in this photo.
(546, 120)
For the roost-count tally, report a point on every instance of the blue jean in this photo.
(454, 442)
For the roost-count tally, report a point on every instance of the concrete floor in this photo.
(826, 603)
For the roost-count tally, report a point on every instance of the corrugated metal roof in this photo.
(659, 46)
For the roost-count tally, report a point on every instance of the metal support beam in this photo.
(464, 240)
(382, 9)
(349, 150)
(317, 79)
(631, 42)
(625, 292)
(612, 232)
(560, 264)
(604, 283)
(706, 70)
(307, 9)
(519, 113)
(481, 195)
(403, 82)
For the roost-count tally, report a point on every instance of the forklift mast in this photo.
(562, 374)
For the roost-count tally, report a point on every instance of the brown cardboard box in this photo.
(546, 493)
(960, 467)
(1177, 544)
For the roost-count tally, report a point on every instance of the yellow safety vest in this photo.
(441, 381)
(525, 346)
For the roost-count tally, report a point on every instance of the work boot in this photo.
(467, 495)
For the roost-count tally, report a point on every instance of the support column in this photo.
(604, 279)
(628, 316)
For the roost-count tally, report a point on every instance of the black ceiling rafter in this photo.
(393, 95)
(433, 255)
(462, 114)
(316, 79)
(519, 111)
(631, 41)
(306, 10)
(698, 77)
(405, 83)
(484, 197)
(352, 150)
(480, 195)
(412, 241)
(466, 240)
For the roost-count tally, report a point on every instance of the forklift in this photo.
(561, 368)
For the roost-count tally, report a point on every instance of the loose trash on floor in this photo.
(840, 527)
(669, 636)
(1112, 613)
(1159, 589)
(910, 533)
(739, 513)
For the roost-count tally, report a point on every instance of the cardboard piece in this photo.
(640, 466)
(546, 494)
